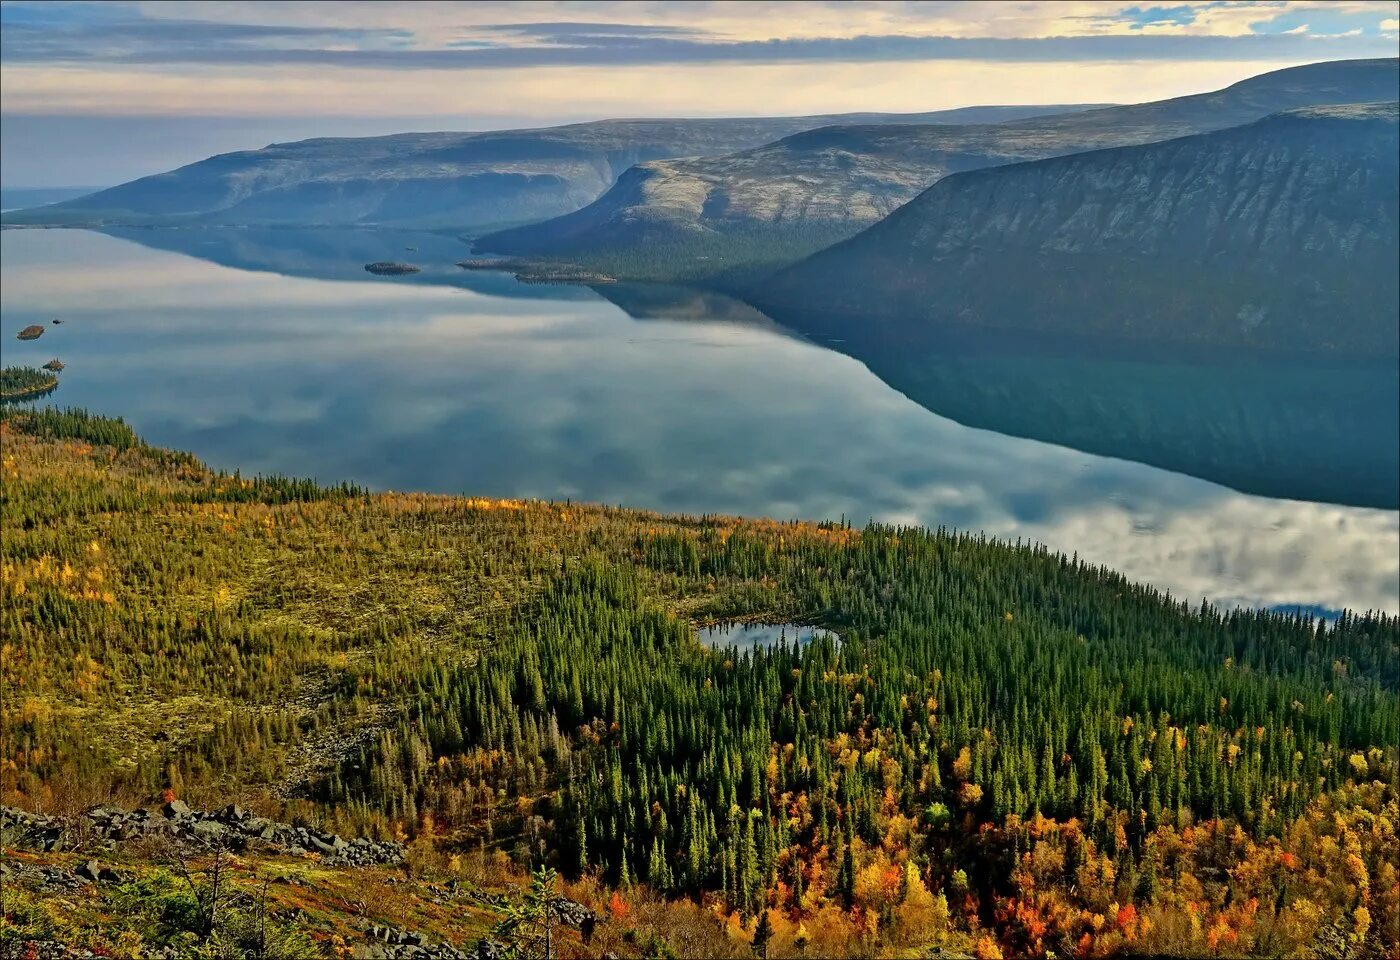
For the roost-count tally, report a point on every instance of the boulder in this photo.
(176, 809)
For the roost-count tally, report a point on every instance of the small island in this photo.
(388, 268)
(527, 271)
(25, 383)
(32, 332)
(56, 365)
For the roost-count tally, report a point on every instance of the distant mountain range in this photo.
(734, 216)
(1263, 215)
(1279, 234)
(459, 181)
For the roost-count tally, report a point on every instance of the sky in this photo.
(95, 93)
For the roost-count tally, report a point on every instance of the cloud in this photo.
(574, 31)
(482, 64)
(686, 33)
(561, 94)
(49, 33)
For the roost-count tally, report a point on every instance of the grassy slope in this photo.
(119, 526)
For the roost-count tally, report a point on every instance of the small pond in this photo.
(750, 636)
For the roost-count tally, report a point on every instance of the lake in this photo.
(747, 637)
(273, 351)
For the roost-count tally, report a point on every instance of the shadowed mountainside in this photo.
(1279, 235)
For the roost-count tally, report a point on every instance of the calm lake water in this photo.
(750, 636)
(274, 352)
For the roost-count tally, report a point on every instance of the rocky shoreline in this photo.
(530, 271)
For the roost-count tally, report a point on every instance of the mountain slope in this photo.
(1279, 234)
(699, 217)
(504, 681)
(458, 180)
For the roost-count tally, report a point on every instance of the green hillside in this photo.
(1001, 750)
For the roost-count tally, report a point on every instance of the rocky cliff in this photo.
(458, 180)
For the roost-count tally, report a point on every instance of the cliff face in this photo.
(843, 178)
(1280, 234)
(460, 180)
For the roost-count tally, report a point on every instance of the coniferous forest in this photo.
(996, 750)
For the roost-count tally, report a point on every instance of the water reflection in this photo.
(412, 385)
(1305, 428)
(1292, 427)
(341, 254)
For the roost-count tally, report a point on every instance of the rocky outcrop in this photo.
(823, 185)
(232, 827)
(1280, 234)
(390, 943)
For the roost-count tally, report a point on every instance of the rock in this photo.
(210, 830)
(93, 872)
(176, 809)
(231, 826)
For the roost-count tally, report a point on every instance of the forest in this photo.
(24, 383)
(998, 750)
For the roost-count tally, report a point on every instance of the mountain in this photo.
(733, 216)
(1280, 234)
(439, 180)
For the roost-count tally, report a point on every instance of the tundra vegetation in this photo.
(1009, 752)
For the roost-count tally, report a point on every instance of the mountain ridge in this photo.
(433, 179)
(700, 219)
(1286, 229)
